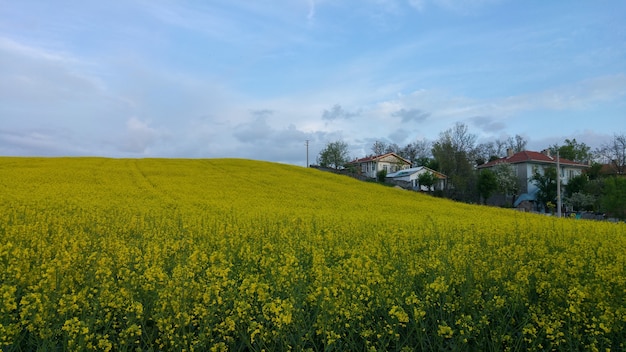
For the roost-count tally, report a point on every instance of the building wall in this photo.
(528, 170)
(524, 172)
(371, 168)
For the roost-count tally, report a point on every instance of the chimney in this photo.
(509, 152)
(546, 152)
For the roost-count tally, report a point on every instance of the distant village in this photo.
(566, 179)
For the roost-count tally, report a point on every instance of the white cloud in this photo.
(36, 76)
(139, 136)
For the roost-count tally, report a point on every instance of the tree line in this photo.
(456, 153)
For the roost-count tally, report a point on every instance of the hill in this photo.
(231, 254)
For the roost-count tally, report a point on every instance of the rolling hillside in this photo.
(230, 254)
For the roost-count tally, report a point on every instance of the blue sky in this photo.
(255, 79)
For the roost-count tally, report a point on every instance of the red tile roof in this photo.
(527, 156)
(377, 157)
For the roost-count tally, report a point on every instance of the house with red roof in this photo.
(371, 165)
(525, 163)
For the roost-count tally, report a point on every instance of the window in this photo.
(571, 174)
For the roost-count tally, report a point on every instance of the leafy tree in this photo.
(487, 184)
(334, 155)
(426, 179)
(595, 188)
(576, 184)
(594, 171)
(614, 153)
(613, 200)
(573, 150)
(508, 184)
(546, 183)
(580, 201)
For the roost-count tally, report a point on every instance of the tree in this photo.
(613, 199)
(576, 184)
(423, 153)
(508, 184)
(517, 143)
(426, 179)
(580, 201)
(594, 171)
(394, 148)
(546, 183)
(409, 152)
(486, 152)
(489, 151)
(614, 153)
(379, 147)
(453, 152)
(334, 155)
(487, 184)
(573, 150)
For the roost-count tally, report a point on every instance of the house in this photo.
(408, 178)
(525, 163)
(371, 165)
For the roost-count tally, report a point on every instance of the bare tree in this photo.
(379, 147)
(486, 152)
(418, 152)
(454, 152)
(409, 152)
(500, 147)
(460, 138)
(614, 153)
(393, 148)
(517, 143)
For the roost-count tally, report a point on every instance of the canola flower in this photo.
(230, 255)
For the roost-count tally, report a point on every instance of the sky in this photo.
(257, 79)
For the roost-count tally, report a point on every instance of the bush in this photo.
(381, 175)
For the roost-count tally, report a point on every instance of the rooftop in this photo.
(527, 156)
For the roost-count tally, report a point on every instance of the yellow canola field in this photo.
(232, 255)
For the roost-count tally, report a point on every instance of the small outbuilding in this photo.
(408, 178)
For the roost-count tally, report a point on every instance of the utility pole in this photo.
(307, 153)
(558, 185)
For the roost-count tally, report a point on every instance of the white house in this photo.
(525, 163)
(371, 165)
(410, 177)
